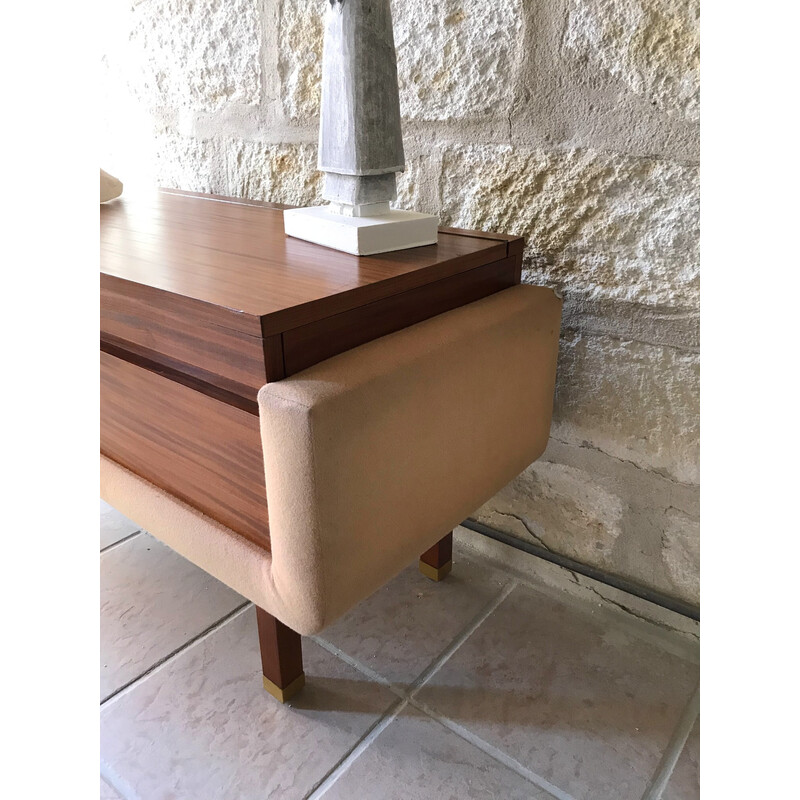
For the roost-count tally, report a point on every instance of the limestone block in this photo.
(194, 165)
(634, 401)
(605, 224)
(681, 551)
(548, 503)
(449, 56)
(300, 57)
(651, 46)
(584, 504)
(200, 54)
(277, 173)
(415, 184)
(456, 58)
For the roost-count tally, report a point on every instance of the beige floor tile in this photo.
(585, 704)
(405, 625)
(417, 758)
(151, 602)
(113, 525)
(684, 784)
(201, 726)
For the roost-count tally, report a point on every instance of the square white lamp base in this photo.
(362, 236)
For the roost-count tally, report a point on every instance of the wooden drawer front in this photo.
(317, 341)
(230, 359)
(197, 448)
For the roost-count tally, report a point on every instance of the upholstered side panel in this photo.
(375, 454)
(229, 557)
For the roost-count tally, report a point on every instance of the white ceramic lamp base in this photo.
(362, 236)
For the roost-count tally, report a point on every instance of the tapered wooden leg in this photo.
(281, 657)
(437, 562)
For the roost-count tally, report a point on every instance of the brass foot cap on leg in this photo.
(288, 692)
(435, 573)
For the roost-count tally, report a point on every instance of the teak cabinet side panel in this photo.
(201, 450)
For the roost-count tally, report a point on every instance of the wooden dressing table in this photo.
(204, 300)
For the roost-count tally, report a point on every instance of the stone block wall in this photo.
(571, 122)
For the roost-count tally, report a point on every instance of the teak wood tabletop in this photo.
(233, 255)
(204, 300)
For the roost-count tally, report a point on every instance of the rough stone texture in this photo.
(663, 325)
(652, 46)
(549, 502)
(450, 53)
(447, 56)
(182, 162)
(300, 57)
(605, 224)
(681, 552)
(571, 122)
(201, 54)
(412, 184)
(634, 401)
(278, 173)
(582, 503)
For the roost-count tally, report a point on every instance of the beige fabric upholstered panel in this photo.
(372, 456)
(223, 553)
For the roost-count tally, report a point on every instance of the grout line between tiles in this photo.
(426, 674)
(185, 646)
(404, 696)
(116, 782)
(356, 664)
(674, 748)
(462, 637)
(366, 740)
(120, 541)
(490, 750)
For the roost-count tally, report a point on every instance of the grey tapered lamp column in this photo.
(360, 139)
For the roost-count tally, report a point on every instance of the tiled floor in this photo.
(483, 686)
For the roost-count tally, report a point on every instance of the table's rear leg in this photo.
(281, 657)
(438, 561)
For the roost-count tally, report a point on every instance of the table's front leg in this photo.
(281, 657)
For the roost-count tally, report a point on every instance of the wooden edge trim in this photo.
(514, 243)
(174, 372)
(240, 323)
(516, 246)
(274, 357)
(420, 297)
(350, 299)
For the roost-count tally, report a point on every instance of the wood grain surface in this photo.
(235, 258)
(196, 447)
(440, 553)
(204, 299)
(312, 343)
(281, 649)
(182, 331)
